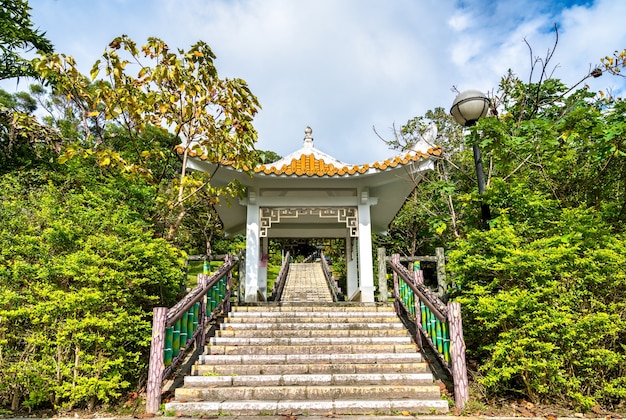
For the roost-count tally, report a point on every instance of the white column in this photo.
(366, 262)
(262, 281)
(252, 250)
(351, 268)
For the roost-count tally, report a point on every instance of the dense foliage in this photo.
(542, 288)
(18, 36)
(81, 272)
(546, 314)
(153, 87)
(96, 210)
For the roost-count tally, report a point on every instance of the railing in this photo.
(279, 284)
(335, 290)
(438, 326)
(183, 326)
(439, 260)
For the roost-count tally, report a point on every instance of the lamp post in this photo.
(468, 107)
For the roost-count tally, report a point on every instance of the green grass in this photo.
(272, 273)
(195, 267)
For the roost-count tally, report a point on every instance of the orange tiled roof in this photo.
(309, 165)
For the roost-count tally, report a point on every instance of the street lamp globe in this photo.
(469, 106)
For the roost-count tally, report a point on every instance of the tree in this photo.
(24, 141)
(541, 290)
(17, 36)
(433, 215)
(179, 93)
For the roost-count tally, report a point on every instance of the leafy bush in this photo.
(81, 273)
(545, 316)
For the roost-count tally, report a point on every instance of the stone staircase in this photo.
(309, 358)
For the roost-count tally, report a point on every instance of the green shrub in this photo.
(81, 273)
(546, 317)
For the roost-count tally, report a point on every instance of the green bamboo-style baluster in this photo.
(176, 339)
(439, 336)
(183, 330)
(424, 315)
(433, 327)
(407, 296)
(167, 347)
(190, 329)
(196, 316)
(446, 342)
(213, 298)
(429, 322)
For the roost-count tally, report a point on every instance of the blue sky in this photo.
(346, 66)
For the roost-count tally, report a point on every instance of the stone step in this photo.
(316, 341)
(286, 359)
(306, 392)
(310, 320)
(307, 368)
(306, 297)
(314, 314)
(324, 407)
(303, 333)
(318, 358)
(316, 307)
(326, 379)
(312, 349)
(363, 325)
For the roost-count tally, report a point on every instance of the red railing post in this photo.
(155, 367)
(457, 355)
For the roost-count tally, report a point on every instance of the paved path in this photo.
(306, 283)
(333, 417)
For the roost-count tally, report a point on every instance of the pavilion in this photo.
(310, 194)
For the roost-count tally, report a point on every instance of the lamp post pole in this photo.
(468, 107)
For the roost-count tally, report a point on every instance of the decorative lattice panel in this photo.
(273, 215)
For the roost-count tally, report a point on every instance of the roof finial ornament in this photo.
(308, 139)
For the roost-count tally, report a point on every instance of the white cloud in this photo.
(460, 22)
(345, 66)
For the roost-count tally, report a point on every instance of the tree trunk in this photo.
(15, 401)
(171, 234)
